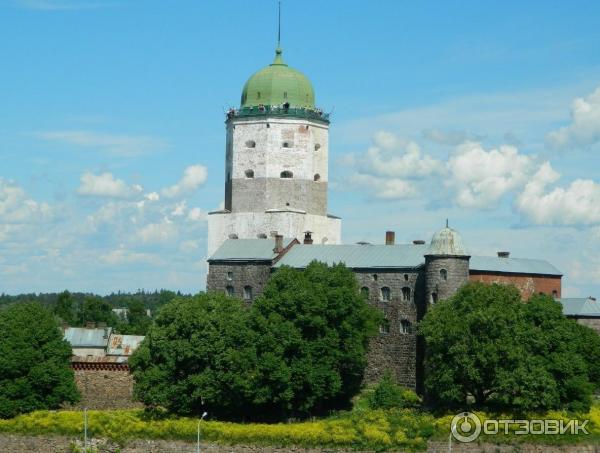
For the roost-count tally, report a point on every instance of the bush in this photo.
(387, 394)
(35, 368)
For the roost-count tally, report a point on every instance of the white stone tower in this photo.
(276, 164)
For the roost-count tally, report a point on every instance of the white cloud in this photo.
(122, 145)
(152, 196)
(447, 137)
(193, 177)
(17, 208)
(480, 178)
(158, 232)
(197, 214)
(385, 188)
(105, 185)
(584, 129)
(123, 256)
(57, 5)
(578, 204)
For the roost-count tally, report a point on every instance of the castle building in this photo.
(276, 162)
(276, 173)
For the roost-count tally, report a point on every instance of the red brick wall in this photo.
(528, 284)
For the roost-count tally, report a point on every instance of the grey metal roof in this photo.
(356, 256)
(512, 265)
(123, 345)
(247, 249)
(82, 337)
(585, 306)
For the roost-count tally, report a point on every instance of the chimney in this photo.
(278, 243)
(418, 242)
(503, 254)
(390, 238)
(308, 237)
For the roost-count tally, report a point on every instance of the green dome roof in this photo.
(277, 84)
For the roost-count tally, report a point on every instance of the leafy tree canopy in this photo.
(35, 371)
(299, 349)
(487, 346)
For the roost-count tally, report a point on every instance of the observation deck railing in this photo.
(279, 111)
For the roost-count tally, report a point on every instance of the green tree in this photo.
(299, 349)
(35, 371)
(198, 355)
(487, 346)
(387, 394)
(96, 310)
(313, 331)
(65, 309)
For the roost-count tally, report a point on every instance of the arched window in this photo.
(386, 294)
(286, 174)
(249, 174)
(405, 326)
(317, 177)
(317, 147)
(250, 144)
(405, 277)
(434, 298)
(229, 291)
(406, 294)
(444, 274)
(233, 236)
(374, 277)
(229, 276)
(247, 292)
(384, 327)
(365, 292)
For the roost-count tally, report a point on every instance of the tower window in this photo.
(406, 294)
(261, 236)
(229, 276)
(384, 327)
(249, 174)
(374, 277)
(405, 326)
(386, 294)
(434, 298)
(317, 146)
(229, 291)
(247, 292)
(554, 293)
(444, 274)
(287, 145)
(233, 236)
(405, 277)
(365, 292)
(317, 177)
(250, 144)
(286, 174)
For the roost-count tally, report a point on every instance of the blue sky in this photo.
(112, 134)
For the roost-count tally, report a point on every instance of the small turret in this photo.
(446, 265)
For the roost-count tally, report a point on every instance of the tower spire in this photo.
(279, 27)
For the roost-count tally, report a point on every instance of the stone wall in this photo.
(238, 275)
(104, 387)
(395, 348)
(32, 444)
(527, 284)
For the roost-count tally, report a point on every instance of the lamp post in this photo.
(198, 444)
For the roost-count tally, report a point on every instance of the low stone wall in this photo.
(105, 387)
(32, 444)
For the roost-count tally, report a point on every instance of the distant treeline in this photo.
(150, 300)
(81, 309)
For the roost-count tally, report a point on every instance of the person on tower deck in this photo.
(261, 107)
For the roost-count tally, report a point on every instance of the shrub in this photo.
(387, 394)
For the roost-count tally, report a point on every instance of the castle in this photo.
(275, 214)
